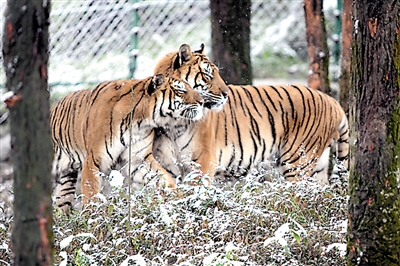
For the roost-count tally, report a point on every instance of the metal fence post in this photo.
(338, 30)
(133, 43)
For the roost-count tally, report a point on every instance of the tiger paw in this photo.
(197, 178)
(167, 182)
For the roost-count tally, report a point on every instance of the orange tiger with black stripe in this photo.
(291, 126)
(91, 131)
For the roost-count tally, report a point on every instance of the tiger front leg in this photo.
(143, 170)
(166, 179)
(91, 181)
(208, 164)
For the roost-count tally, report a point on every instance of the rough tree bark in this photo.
(230, 20)
(318, 53)
(374, 206)
(25, 50)
(345, 62)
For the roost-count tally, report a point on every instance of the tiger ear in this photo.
(184, 55)
(155, 83)
(201, 51)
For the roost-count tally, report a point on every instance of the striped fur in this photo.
(291, 126)
(90, 130)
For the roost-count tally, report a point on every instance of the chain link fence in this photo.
(96, 40)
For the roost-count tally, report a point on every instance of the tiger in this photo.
(196, 68)
(91, 131)
(291, 126)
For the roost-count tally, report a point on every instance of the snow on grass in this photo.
(249, 223)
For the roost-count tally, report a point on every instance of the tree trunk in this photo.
(318, 53)
(374, 206)
(25, 50)
(230, 20)
(345, 62)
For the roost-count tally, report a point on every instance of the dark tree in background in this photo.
(230, 20)
(345, 61)
(25, 50)
(318, 53)
(374, 205)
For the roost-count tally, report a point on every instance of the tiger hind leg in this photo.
(65, 191)
(340, 174)
(307, 166)
(340, 171)
(321, 167)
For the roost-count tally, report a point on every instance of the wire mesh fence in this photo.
(95, 40)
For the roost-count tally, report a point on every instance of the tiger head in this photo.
(199, 72)
(175, 98)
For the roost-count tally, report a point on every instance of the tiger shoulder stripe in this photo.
(90, 131)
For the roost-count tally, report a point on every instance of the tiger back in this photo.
(91, 131)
